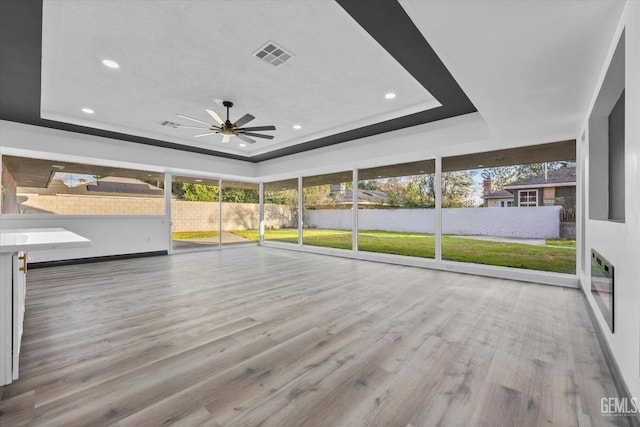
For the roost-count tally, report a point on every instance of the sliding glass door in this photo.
(195, 214)
(240, 213)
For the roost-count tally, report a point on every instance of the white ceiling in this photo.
(529, 67)
(180, 56)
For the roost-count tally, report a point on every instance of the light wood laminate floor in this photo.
(259, 336)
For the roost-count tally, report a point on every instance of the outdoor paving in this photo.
(205, 243)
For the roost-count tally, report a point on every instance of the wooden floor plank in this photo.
(259, 336)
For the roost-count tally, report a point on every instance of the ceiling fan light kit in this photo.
(228, 129)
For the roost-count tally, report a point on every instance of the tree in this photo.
(239, 195)
(316, 196)
(501, 176)
(418, 191)
(457, 189)
(533, 169)
(200, 192)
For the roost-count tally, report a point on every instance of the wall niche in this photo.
(607, 142)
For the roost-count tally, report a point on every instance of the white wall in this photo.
(619, 243)
(532, 223)
(451, 137)
(109, 235)
(52, 144)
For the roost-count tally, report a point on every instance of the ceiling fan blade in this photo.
(244, 119)
(205, 134)
(259, 128)
(259, 135)
(245, 139)
(196, 127)
(215, 116)
(192, 119)
(226, 138)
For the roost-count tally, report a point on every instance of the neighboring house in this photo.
(498, 199)
(342, 196)
(553, 188)
(495, 199)
(113, 195)
(107, 186)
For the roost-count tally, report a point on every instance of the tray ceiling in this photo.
(529, 67)
(181, 57)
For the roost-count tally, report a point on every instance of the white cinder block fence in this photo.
(541, 222)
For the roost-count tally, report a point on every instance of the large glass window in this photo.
(240, 212)
(327, 210)
(36, 186)
(482, 199)
(281, 211)
(396, 209)
(195, 213)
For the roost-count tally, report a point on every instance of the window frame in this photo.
(527, 204)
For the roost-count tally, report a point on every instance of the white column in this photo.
(300, 210)
(261, 208)
(220, 214)
(354, 210)
(167, 208)
(438, 216)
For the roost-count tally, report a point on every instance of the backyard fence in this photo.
(185, 215)
(541, 222)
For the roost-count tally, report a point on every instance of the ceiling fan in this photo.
(228, 129)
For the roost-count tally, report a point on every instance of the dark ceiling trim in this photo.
(20, 75)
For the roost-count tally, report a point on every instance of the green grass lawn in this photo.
(548, 257)
(561, 242)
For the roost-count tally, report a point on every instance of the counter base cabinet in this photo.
(13, 281)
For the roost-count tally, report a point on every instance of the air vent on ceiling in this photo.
(170, 124)
(273, 54)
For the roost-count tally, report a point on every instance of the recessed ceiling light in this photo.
(88, 111)
(57, 166)
(480, 166)
(390, 95)
(421, 171)
(243, 144)
(197, 180)
(110, 63)
(297, 127)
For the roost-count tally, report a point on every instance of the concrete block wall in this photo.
(90, 205)
(541, 222)
(185, 215)
(194, 216)
(240, 216)
(538, 222)
(204, 216)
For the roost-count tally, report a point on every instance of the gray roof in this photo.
(503, 194)
(557, 176)
(107, 186)
(364, 196)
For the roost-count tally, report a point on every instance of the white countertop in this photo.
(31, 239)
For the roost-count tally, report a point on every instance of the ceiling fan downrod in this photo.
(228, 104)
